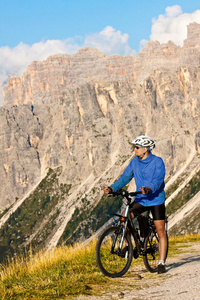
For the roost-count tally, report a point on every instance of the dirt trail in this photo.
(180, 282)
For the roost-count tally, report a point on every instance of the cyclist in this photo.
(148, 171)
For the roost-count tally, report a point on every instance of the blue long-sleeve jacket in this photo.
(149, 172)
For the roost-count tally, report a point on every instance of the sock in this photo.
(161, 262)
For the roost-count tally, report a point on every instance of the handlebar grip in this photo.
(135, 193)
(125, 193)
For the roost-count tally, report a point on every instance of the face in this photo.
(139, 151)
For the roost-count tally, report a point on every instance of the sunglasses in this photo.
(137, 147)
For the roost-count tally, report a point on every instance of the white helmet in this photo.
(145, 141)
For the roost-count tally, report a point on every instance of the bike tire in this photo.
(151, 251)
(112, 264)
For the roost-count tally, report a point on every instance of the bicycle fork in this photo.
(123, 233)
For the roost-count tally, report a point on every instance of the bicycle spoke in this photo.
(110, 259)
(151, 256)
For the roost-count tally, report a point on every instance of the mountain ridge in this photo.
(40, 84)
(81, 128)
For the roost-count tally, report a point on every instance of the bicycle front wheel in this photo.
(111, 261)
(151, 250)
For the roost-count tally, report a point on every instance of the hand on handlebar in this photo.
(108, 190)
(146, 190)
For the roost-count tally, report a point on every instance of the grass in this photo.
(67, 272)
(184, 238)
(180, 243)
(53, 275)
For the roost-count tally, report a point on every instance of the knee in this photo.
(161, 233)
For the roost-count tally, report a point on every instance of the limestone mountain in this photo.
(78, 114)
(47, 81)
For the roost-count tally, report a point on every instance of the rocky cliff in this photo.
(81, 112)
(92, 126)
(46, 81)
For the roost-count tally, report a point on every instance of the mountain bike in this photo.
(119, 243)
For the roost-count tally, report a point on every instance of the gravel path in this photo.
(180, 282)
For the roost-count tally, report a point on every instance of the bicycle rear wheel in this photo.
(151, 250)
(110, 261)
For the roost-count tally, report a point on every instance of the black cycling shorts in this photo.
(158, 211)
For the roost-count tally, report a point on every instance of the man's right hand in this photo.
(108, 190)
(146, 190)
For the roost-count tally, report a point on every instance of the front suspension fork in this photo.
(123, 232)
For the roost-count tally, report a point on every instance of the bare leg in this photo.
(160, 228)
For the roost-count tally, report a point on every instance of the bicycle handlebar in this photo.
(126, 194)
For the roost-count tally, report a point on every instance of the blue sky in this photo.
(34, 29)
(38, 20)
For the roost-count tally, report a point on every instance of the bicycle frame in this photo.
(128, 223)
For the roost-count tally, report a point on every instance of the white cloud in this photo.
(110, 41)
(14, 61)
(172, 26)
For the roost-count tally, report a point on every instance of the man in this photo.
(148, 171)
